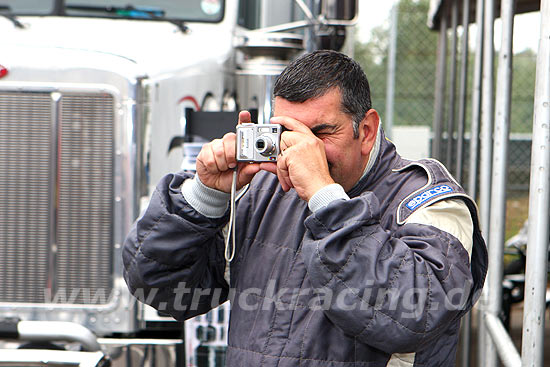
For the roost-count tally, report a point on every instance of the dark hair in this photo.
(313, 74)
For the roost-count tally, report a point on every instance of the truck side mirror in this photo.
(344, 11)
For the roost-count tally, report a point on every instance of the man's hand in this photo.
(302, 164)
(217, 159)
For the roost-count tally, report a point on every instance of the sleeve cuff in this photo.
(325, 196)
(207, 201)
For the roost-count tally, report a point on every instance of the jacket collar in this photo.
(381, 159)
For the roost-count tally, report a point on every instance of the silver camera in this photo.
(258, 143)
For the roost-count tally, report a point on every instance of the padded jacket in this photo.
(352, 284)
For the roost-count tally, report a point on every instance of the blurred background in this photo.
(415, 74)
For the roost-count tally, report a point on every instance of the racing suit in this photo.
(378, 278)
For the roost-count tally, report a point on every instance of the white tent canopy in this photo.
(437, 9)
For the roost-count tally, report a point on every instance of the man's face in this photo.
(347, 157)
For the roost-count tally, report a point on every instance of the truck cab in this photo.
(98, 100)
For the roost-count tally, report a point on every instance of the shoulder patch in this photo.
(427, 195)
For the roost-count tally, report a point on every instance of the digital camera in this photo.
(258, 143)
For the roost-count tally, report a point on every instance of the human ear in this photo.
(368, 130)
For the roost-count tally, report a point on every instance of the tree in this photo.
(523, 91)
(415, 65)
(373, 58)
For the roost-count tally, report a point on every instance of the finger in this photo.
(218, 152)
(291, 124)
(247, 171)
(283, 145)
(284, 181)
(290, 138)
(244, 117)
(269, 167)
(283, 174)
(206, 159)
(229, 142)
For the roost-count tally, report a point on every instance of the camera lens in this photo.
(265, 146)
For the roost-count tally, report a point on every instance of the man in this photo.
(347, 254)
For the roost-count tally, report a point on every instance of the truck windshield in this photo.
(184, 10)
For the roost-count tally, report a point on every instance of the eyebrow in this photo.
(318, 128)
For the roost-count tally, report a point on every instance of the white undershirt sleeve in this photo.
(451, 216)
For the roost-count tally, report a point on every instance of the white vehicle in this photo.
(98, 100)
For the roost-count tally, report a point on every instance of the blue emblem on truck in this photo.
(427, 195)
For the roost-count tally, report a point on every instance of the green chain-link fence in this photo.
(415, 75)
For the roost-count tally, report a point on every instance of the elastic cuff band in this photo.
(209, 202)
(325, 196)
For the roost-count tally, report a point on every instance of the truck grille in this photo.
(56, 197)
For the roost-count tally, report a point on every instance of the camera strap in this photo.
(230, 253)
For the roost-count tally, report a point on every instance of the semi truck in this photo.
(98, 100)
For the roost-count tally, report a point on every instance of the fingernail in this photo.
(232, 165)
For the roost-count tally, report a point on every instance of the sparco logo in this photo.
(427, 195)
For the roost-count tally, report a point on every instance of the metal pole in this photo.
(440, 81)
(487, 116)
(503, 342)
(500, 172)
(390, 91)
(537, 250)
(310, 36)
(476, 102)
(452, 92)
(463, 90)
(466, 329)
(474, 146)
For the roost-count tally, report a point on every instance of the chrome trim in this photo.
(268, 98)
(41, 357)
(58, 331)
(54, 189)
(142, 121)
(138, 341)
(120, 311)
